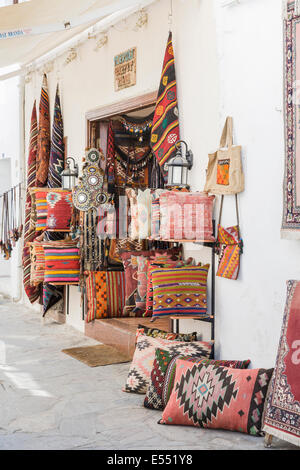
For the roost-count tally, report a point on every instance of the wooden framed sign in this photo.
(125, 69)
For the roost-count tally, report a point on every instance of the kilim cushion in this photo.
(170, 373)
(62, 264)
(130, 267)
(217, 397)
(163, 374)
(142, 363)
(60, 207)
(186, 215)
(153, 266)
(37, 265)
(180, 291)
(156, 333)
(39, 204)
(105, 292)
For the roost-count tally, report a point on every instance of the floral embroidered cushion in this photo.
(142, 363)
(156, 333)
(217, 397)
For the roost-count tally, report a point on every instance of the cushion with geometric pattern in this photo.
(163, 374)
(217, 397)
(142, 363)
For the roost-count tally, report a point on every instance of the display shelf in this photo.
(63, 283)
(207, 319)
(211, 242)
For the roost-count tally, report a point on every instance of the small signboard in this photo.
(125, 69)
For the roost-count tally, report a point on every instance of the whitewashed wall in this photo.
(250, 310)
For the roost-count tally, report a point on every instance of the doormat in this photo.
(99, 355)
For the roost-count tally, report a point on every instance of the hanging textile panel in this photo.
(32, 292)
(62, 264)
(165, 129)
(291, 186)
(282, 417)
(91, 246)
(43, 141)
(57, 157)
(105, 291)
(37, 271)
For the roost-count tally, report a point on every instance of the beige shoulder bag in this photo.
(224, 173)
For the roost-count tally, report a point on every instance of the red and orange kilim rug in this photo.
(282, 416)
(165, 129)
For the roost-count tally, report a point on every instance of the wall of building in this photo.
(250, 310)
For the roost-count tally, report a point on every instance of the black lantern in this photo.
(68, 176)
(178, 166)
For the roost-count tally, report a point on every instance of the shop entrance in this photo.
(102, 123)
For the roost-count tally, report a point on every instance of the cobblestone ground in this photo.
(51, 401)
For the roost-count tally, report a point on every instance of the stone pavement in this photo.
(49, 400)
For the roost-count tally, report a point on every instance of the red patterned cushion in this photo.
(163, 374)
(60, 209)
(217, 397)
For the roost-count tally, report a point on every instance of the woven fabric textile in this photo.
(157, 333)
(290, 228)
(105, 292)
(57, 148)
(32, 292)
(59, 209)
(62, 264)
(165, 128)
(217, 397)
(163, 374)
(43, 139)
(282, 417)
(171, 369)
(37, 271)
(180, 291)
(186, 216)
(142, 363)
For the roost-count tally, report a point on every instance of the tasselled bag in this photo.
(229, 247)
(224, 174)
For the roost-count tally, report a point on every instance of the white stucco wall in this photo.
(250, 310)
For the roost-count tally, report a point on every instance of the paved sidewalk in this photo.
(51, 401)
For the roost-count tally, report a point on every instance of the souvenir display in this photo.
(163, 372)
(131, 164)
(200, 393)
(224, 173)
(142, 363)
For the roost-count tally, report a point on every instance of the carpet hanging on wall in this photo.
(43, 140)
(282, 416)
(291, 187)
(32, 292)
(53, 294)
(165, 129)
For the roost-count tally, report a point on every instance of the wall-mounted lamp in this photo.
(68, 176)
(178, 166)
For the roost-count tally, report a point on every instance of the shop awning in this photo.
(31, 29)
